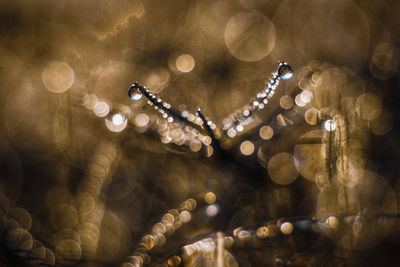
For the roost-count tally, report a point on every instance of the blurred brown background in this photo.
(76, 190)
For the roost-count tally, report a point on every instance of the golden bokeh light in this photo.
(308, 160)
(380, 122)
(367, 104)
(286, 228)
(266, 132)
(332, 222)
(283, 120)
(195, 145)
(247, 148)
(299, 101)
(250, 36)
(90, 101)
(185, 63)
(141, 120)
(263, 232)
(185, 216)
(281, 168)
(21, 216)
(128, 134)
(210, 198)
(330, 125)
(58, 77)
(286, 102)
(101, 109)
(385, 61)
(20, 239)
(311, 116)
(117, 123)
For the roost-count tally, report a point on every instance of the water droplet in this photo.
(285, 71)
(134, 92)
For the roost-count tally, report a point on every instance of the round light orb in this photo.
(380, 122)
(299, 101)
(116, 123)
(285, 71)
(185, 63)
(117, 119)
(366, 104)
(141, 120)
(174, 261)
(22, 217)
(266, 132)
(212, 210)
(287, 228)
(90, 101)
(286, 102)
(185, 216)
(231, 133)
(209, 151)
(306, 96)
(134, 92)
(282, 169)
(58, 77)
(19, 238)
(330, 125)
(250, 36)
(195, 145)
(207, 140)
(263, 232)
(101, 109)
(239, 128)
(247, 148)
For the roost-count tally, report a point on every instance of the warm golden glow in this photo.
(250, 36)
(247, 148)
(185, 63)
(281, 168)
(287, 228)
(58, 77)
(266, 132)
(212, 210)
(101, 109)
(106, 152)
(141, 120)
(286, 102)
(210, 198)
(262, 232)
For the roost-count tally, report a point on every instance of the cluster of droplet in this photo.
(173, 128)
(170, 222)
(136, 92)
(236, 122)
